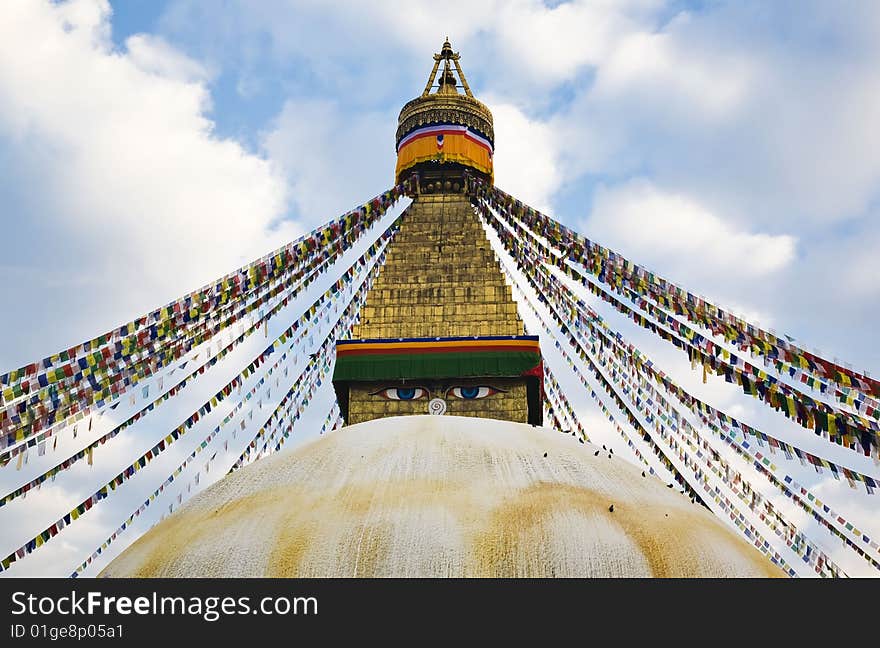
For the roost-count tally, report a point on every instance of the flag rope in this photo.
(615, 340)
(11, 421)
(615, 270)
(212, 435)
(160, 447)
(720, 499)
(503, 230)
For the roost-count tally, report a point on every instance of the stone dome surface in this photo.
(438, 496)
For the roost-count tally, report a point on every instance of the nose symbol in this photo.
(437, 406)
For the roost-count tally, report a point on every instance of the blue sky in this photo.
(148, 147)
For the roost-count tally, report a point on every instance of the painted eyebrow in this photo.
(451, 387)
(381, 389)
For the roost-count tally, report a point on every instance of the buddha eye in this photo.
(473, 392)
(402, 393)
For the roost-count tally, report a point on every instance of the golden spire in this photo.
(446, 82)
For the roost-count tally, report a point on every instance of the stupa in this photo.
(443, 467)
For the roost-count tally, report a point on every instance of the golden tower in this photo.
(439, 331)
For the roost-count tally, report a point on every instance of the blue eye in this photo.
(473, 392)
(403, 393)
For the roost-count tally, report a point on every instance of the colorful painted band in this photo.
(447, 144)
(445, 129)
(428, 345)
(443, 358)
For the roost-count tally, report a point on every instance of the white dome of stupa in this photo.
(438, 496)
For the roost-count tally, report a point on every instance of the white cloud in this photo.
(525, 156)
(661, 69)
(153, 55)
(523, 46)
(712, 104)
(549, 45)
(86, 16)
(675, 231)
(333, 160)
(133, 198)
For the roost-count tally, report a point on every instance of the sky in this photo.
(147, 147)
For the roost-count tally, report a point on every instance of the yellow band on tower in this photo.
(445, 144)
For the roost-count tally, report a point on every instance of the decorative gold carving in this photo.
(440, 278)
(452, 109)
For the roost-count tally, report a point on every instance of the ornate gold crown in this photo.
(446, 105)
